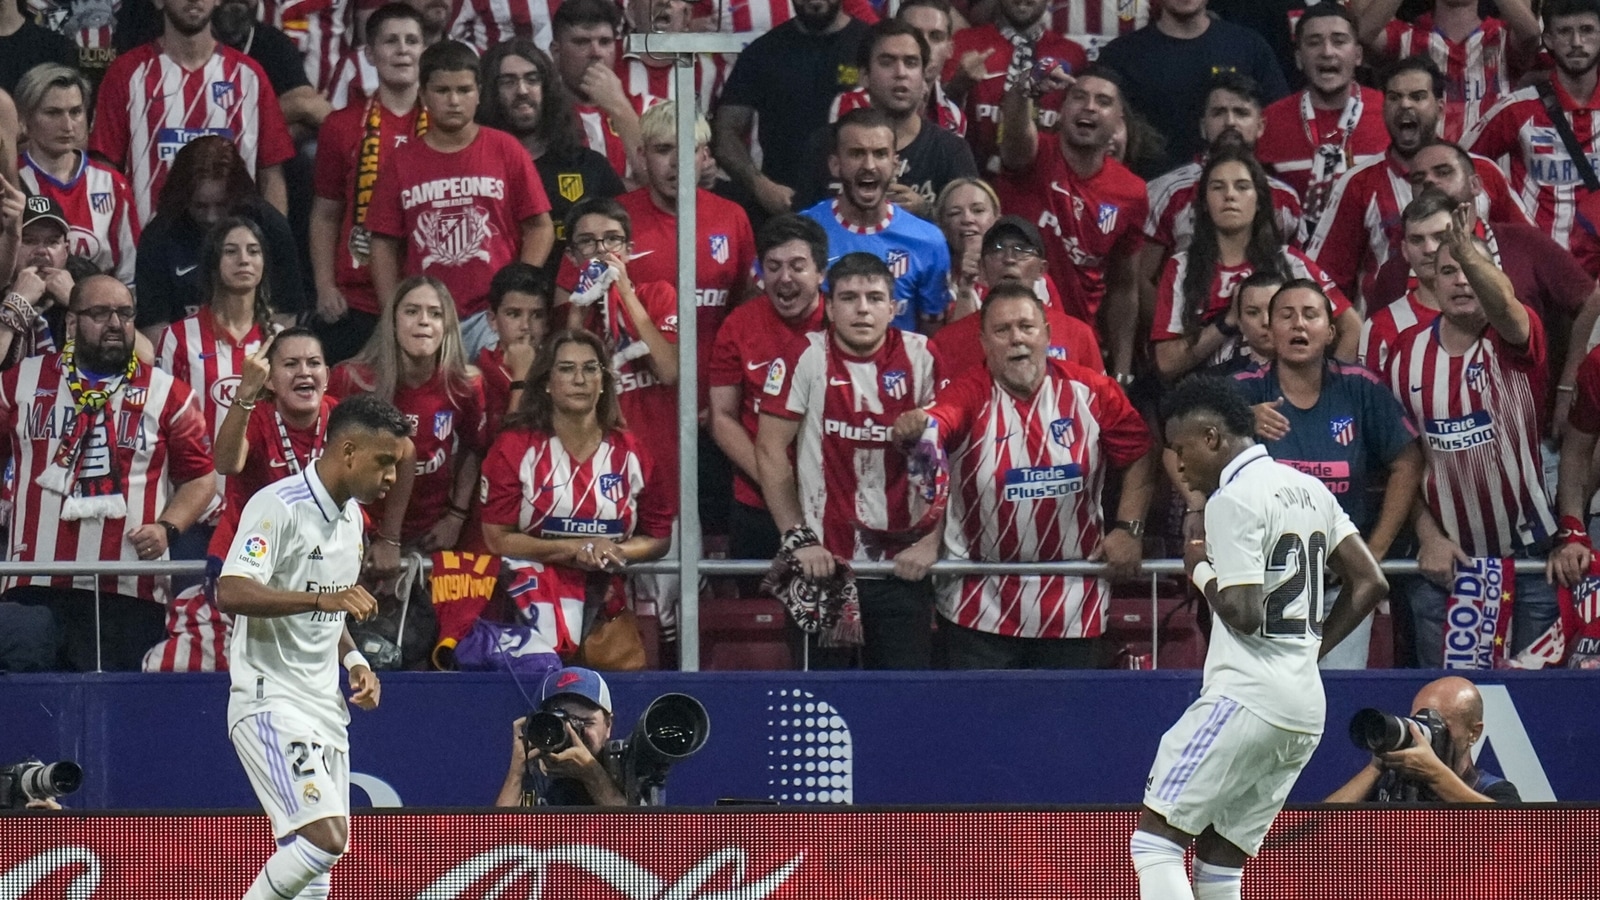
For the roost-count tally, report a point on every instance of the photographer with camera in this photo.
(565, 767)
(1431, 761)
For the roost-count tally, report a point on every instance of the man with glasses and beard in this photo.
(159, 96)
(522, 96)
(111, 464)
(782, 85)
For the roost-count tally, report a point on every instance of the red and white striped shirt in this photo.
(532, 483)
(940, 110)
(354, 79)
(982, 105)
(1475, 70)
(1361, 227)
(1091, 24)
(849, 473)
(1385, 326)
(601, 136)
(647, 85)
(1479, 415)
(149, 107)
(1168, 323)
(1026, 478)
(317, 28)
(1170, 222)
(160, 437)
(484, 23)
(1311, 155)
(761, 16)
(211, 363)
(98, 204)
(1519, 133)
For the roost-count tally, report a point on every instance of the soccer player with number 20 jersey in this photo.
(1272, 533)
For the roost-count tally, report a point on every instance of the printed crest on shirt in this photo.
(1106, 219)
(101, 202)
(612, 488)
(719, 248)
(1061, 432)
(224, 94)
(776, 373)
(570, 186)
(899, 262)
(894, 384)
(1343, 430)
(454, 237)
(443, 424)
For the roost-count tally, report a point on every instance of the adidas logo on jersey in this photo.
(316, 554)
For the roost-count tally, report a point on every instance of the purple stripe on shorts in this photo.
(278, 765)
(1195, 752)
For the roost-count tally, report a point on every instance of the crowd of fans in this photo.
(992, 232)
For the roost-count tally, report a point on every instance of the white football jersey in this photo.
(293, 538)
(1272, 525)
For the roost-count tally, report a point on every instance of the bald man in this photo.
(1453, 780)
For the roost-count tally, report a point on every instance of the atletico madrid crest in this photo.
(1107, 218)
(570, 185)
(719, 248)
(1475, 379)
(894, 384)
(223, 93)
(101, 203)
(443, 424)
(1343, 430)
(1061, 432)
(611, 488)
(899, 263)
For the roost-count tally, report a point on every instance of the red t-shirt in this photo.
(1071, 340)
(459, 214)
(444, 428)
(496, 389)
(725, 255)
(1086, 222)
(752, 337)
(338, 178)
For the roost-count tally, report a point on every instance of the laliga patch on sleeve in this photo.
(254, 551)
(776, 373)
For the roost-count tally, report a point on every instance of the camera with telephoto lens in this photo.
(34, 780)
(1380, 732)
(547, 731)
(673, 728)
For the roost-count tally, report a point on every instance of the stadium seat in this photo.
(745, 633)
(1128, 620)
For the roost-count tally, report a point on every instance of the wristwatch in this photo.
(1134, 527)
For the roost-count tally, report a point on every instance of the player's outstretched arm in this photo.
(240, 596)
(1364, 587)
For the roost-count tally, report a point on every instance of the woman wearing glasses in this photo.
(415, 360)
(567, 485)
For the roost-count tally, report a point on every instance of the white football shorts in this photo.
(1221, 766)
(299, 775)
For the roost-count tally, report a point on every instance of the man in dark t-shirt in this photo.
(783, 85)
(1168, 66)
(1436, 780)
(24, 45)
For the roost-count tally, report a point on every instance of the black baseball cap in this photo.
(40, 208)
(1017, 225)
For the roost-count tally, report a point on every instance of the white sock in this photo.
(1159, 864)
(317, 889)
(297, 863)
(1213, 882)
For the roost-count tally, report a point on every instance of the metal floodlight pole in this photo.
(684, 47)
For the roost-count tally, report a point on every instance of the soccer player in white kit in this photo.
(1223, 771)
(289, 581)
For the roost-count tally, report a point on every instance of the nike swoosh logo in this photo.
(277, 463)
(836, 382)
(758, 365)
(1416, 389)
(640, 255)
(184, 270)
(208, 355)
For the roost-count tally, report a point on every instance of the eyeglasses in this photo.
(100, 315)
(530, 80)
(570, 370)
(612, 243)
(1008, 248)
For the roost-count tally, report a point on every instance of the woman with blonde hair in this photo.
(964, 210)
(416, 361)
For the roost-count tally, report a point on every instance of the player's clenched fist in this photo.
(353, 600)
(364, 688)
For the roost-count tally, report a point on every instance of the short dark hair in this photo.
(1234, 83)
(1260, 278)
(385, 14)
(597, 206)
(859, 265)
(1427, 203)
(368, 412)
(1554, 9)
(882, 31)
(1415, 63)
(583, 13)
(296, 331)
(1463, 157)
(524, 278)
(1301, 284)
(447, 56)
(860, 117)
(942, 6)
(780, 230)
(1009, 290)
(1326, 11)
(1220, 397)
